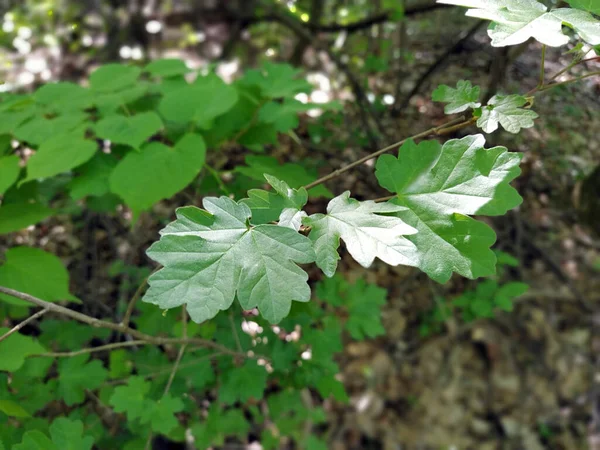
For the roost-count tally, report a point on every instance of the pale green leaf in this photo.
(216, 256)
(15, 349)
(166, 171)
(34, 272)
(440, 186)
(459, 99)
(132, 131)
(166, 68)
(203, 101)
(114, 77)
(9, 171)
(508, 112)
(515, 21)
(76, 374)
(59, 154)
(16, 216)
(367, 233)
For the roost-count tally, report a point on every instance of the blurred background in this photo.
(447, 371)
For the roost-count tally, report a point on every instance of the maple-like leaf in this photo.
(515, 21)
(508, 112)
(367, 233)
(459, 99)
(209, 255)
(441, 186)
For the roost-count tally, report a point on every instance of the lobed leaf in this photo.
(440, 186)
(210, 255)
(508, 112)
(459, 99)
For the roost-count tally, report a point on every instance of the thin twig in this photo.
(543, 68)
(235, 333)
(136, 296)
(437, 131)
(22, 324)
(173, 371)
(100, 348)
(97, 323)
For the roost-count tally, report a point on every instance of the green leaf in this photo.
(39, 129)
(59, 154)
(119, 364)
(76, 374)
(367, 233)
(64, 96)
(294, 175)
(440, 186)
(219, 425)
(35, 440)
(460, 99)
(34, 272)
(166, 171)
(243, 383)
(587, 5)
(507, 292)
(506, 111)
(284, 115)
(515, 21)
(12, 409)
(114, 77)
(68, 334)
(285, 204)
(364, 302)
(16, 216)
(166, 68)
(160, 415)
(206, 99)
(9, 171)
(131, 399)
(132, 131)
(15, 349)
(93, 177)
(68, 435)
(277, 80)
(216, 255)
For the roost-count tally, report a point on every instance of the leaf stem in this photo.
(217, 176)
(441, 130)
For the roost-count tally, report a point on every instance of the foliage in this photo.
(142, 134)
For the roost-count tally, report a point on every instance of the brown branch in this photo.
(136, 296)
(92, 321)
(446, 128)
(438, 63)
(22, 324)
(376, 19)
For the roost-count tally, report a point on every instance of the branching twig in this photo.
(100, 348)
(437, 131)
(92, 321)
(22, 324)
